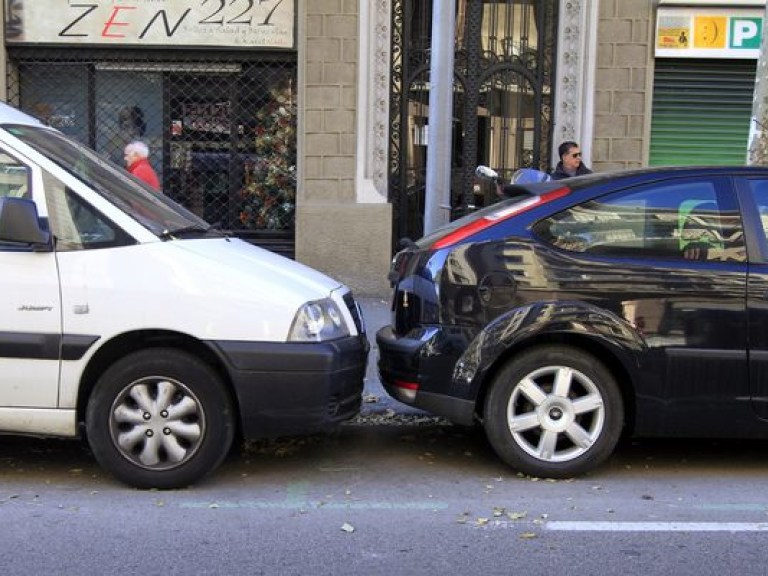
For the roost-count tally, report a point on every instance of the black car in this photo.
(585, 308)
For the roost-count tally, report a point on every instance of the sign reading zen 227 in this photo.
(170, 23)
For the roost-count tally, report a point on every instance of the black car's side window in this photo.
(670, 221)
(760, 195)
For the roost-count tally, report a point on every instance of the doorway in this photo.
(502, 99)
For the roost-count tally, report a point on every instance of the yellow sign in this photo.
(710, 31)
(673, 38)
(723, 31)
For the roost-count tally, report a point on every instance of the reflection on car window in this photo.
(14, 177)
(675, 221)
(75, 224)
(156, 212)
(760, 194)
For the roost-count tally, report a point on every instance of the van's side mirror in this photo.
(19, 223)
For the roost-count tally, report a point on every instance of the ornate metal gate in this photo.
(502, 99)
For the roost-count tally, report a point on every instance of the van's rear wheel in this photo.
(554, 412)
(160, 418)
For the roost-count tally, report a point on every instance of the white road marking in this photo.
(314, 505)
(586, 526)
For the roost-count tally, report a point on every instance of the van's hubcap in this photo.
(157, 423)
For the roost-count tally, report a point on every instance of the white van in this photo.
(125, 317)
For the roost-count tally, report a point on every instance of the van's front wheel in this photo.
(159, 418)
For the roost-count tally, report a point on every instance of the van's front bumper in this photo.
(285, 388)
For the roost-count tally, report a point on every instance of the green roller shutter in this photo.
(701, 111)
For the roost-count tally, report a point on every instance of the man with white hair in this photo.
(137, 163)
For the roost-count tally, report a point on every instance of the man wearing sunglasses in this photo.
(570, 162)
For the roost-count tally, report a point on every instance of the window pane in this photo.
(680, 221)
(14, 178)
(760, 194)
(129, 106)
(66, 106)
(75, 224)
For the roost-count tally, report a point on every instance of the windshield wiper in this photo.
(194, 231)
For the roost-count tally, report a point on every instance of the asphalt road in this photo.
(389, 498)
(395, 492)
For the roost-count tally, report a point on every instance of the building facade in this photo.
(293, 124)
(674, 82)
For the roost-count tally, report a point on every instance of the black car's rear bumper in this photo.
(417, 370)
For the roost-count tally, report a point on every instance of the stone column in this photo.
(343, 221)
(575, 69)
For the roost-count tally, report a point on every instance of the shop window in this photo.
(221, 133)
(129, 106)
(66, 106)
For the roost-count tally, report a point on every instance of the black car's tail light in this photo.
(406, 390)
(503, 213)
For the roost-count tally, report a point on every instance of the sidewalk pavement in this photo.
(376, 313)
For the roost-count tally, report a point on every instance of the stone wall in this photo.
(335, 232)
(623, 84)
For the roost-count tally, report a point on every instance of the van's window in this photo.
(75, 224)
(14, 177)
(159, 214)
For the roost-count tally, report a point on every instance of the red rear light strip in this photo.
(503, 214)
(406, 385)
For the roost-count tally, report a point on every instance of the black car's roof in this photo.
(517, 193)
(635, 175)
(649, 174)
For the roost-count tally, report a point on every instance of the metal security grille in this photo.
(503, 82)
(701, 111)
(220, 126)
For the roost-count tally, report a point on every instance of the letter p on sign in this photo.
(745, 32)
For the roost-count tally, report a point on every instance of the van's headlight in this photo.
(318, 321)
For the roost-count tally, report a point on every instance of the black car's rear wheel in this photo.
(160, 418)
(554, 412)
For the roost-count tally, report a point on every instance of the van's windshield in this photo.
(158, 213)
